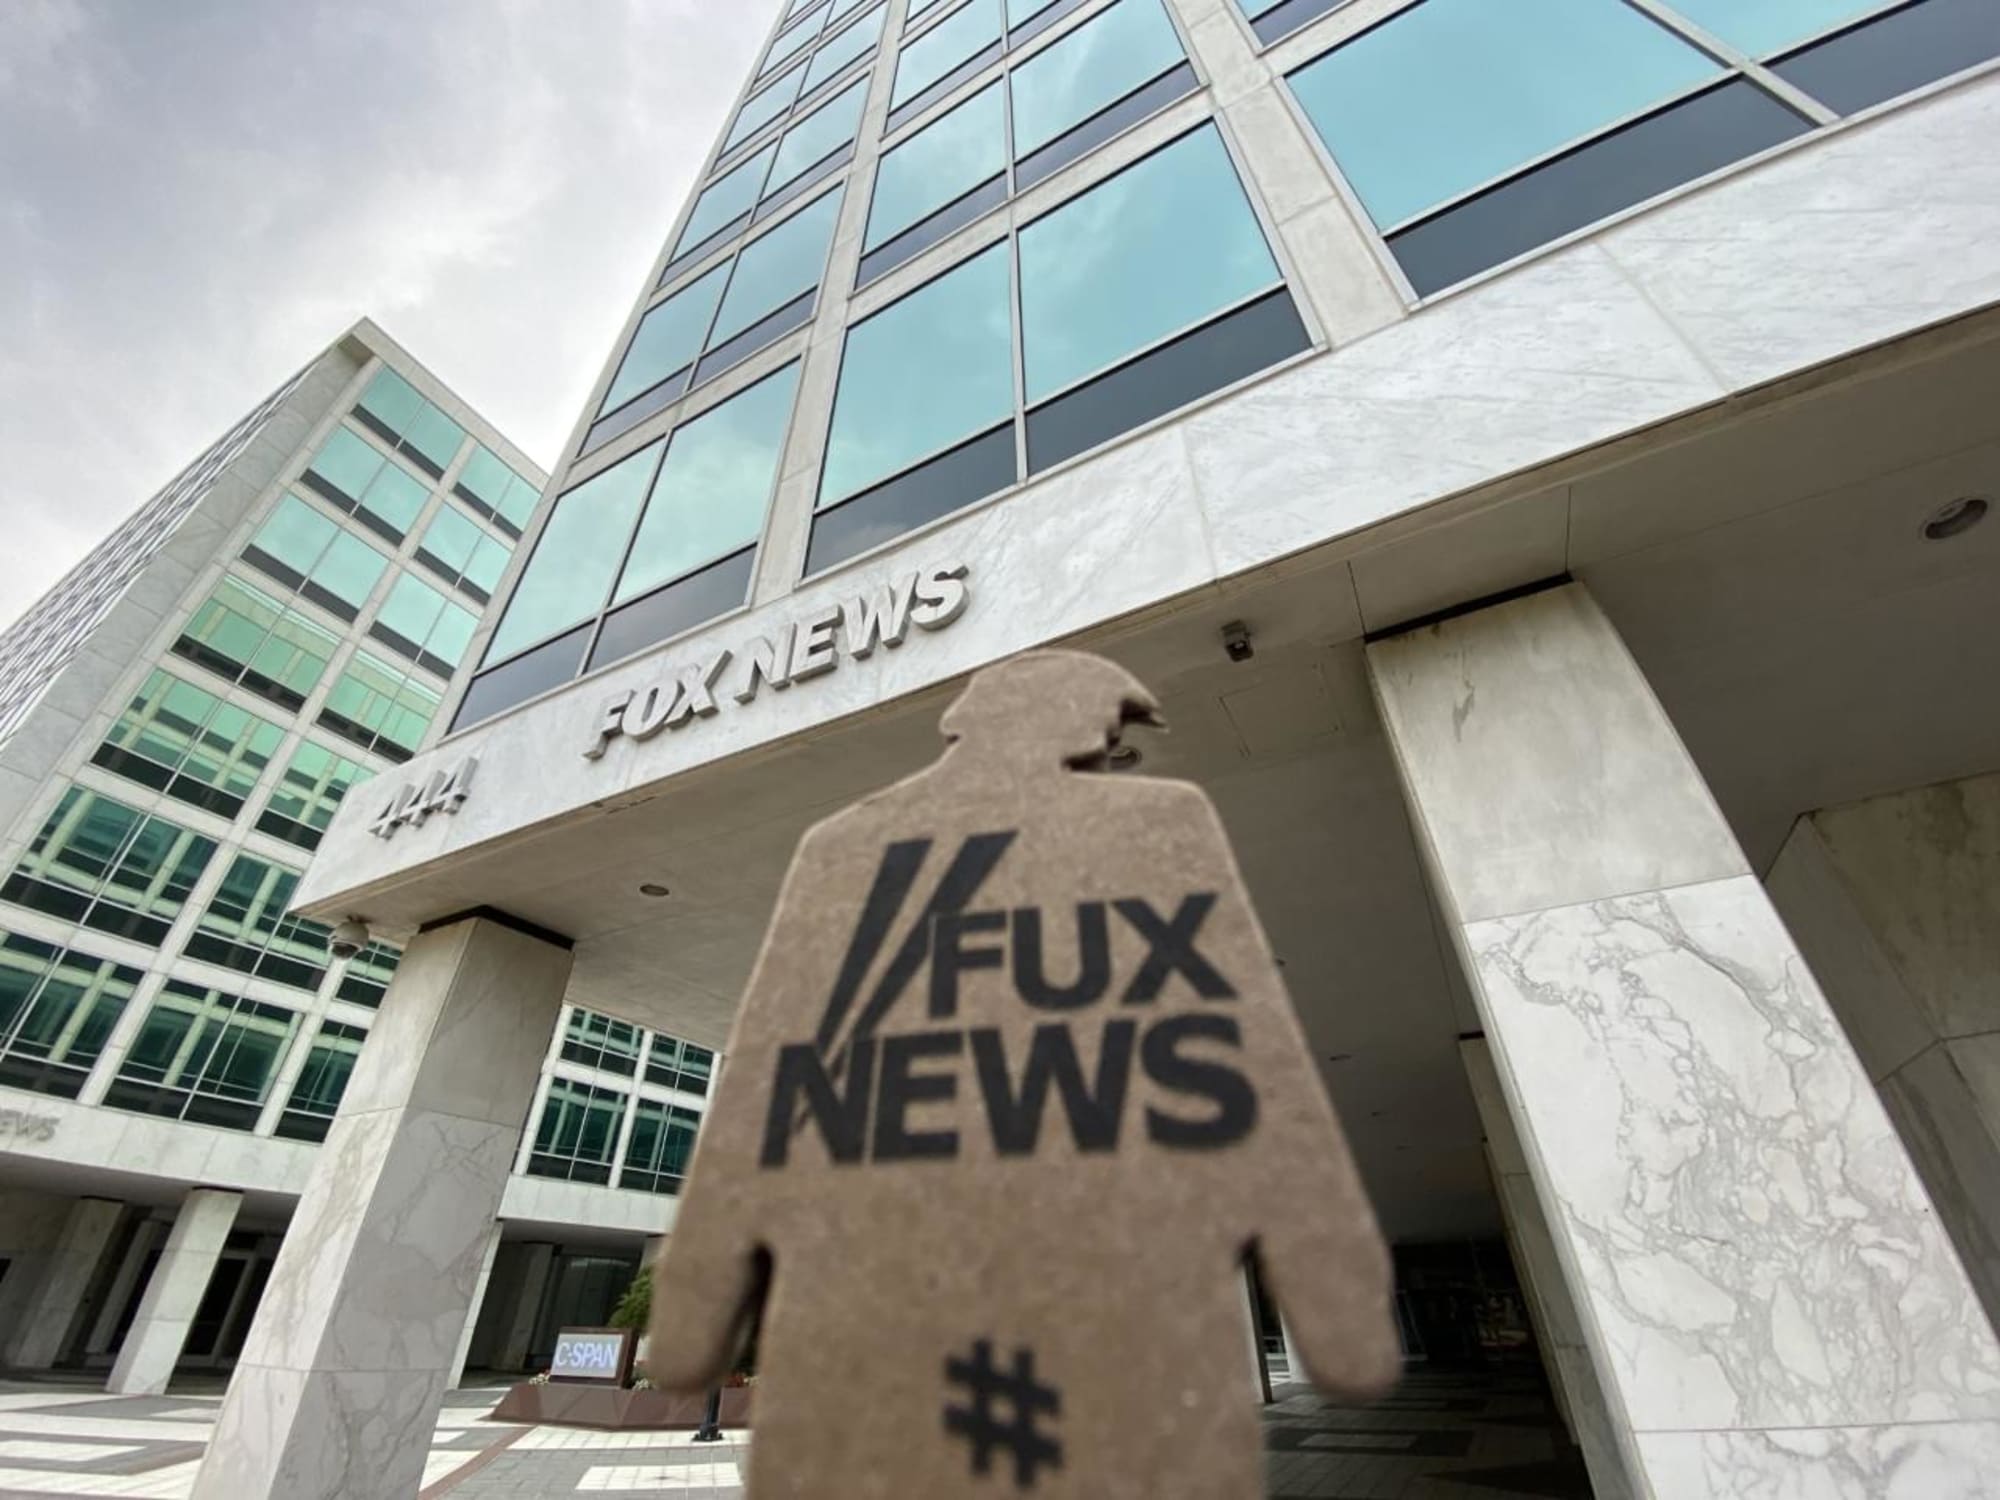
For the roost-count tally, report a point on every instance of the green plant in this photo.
(635, 1308)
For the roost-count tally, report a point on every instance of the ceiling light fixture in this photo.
(649, 889)
(1957, 518)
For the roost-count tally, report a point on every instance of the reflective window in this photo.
(1271, 19)
(941, 163)
(1090, 68)
(1896, 52)
(321, 1083)
(422, 624)
(917, 8)
(1164, 244)
(365, 980)
(599, 1041)
(675, 1064)
(941, 50)
(924, 373)
(204, 1056)
(460, 551)
(307, 551)
(1761, 27)
(57, 1008)
(668, 338)
(301, 806)
(1451, 93)
(777, 268)
(570, 572)
(790, 43)
(714, 487)
(577, 1132)
(726, 200)
(660, 1147)
(494, 490)
(380, 708)
(846, 49)
(183, 740)
(398, 414)
(818, 136)
(246, 636)
(761, 109)
(360, 479)
(246, 927)
(105, 865)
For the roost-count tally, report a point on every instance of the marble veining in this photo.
(1932, 1461)
(1755, 1247)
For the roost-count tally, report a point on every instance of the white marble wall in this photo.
(58, 1298)
(340, 1381)
(153, 1344)
(1762, 1282)
(1896, 902)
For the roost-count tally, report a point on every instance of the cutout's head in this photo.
(1053, 707)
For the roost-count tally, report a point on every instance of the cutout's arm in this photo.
(707, 1287)
(1327, 1270)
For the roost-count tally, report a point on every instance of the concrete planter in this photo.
(576, 1404)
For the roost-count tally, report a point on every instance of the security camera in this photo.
(1236, 641)
(349, 938)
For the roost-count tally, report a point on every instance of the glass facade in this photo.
(246, 927)
(578, 1132)
(204, 1056)
(584, 1114)
(57, 1008)
(359, 478)
(302, 804)
(380, 708)
(457, 550)
(495, 491)
(600, 1042)
(316, 1095)
(396, 412)
(103, 865)
(177, 738)
(659, 1148)
(312, 554)
(245, 636)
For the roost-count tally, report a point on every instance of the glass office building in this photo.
(1541, 455)
(180, 719)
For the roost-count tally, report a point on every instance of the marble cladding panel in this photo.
(1880, 229)
(1558, 356)
(86, 1231)
(1754, 1248)
(173, 1294)
(1936, 1111)
(1929, 1461)
(350, 1435)
(1538, 696)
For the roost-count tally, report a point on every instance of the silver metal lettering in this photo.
(884, 616)
(813, 649)
(697, 691)
(941, 597)
(654, 708)
(769, 660)
(610, 724)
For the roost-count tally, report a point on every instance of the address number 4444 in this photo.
(414, 801)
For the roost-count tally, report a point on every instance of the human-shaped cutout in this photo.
(1014, 1090)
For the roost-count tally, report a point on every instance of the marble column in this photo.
(1770, 1305)
(338, 1388)
(537, 1262)
(58, 1298)
(1896, 902)
(146, 1238)
(472, 1310)
(1557, 1328)
(160, 1328)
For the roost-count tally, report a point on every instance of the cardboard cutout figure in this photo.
(1014, 1089)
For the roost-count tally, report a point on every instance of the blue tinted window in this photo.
(1452, 93)
(778, 267)
(792, 42)
(855, 42)
(819, 134)
(1160, 246)
(727, 199)
(567, 578)
(668, 338)
(922, 374)
(1098, 63)
(940, 163)
(760, 110)
(714, 487)
(1761, 27)
(944, 47)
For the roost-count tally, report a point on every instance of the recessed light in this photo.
(650, 889)
(1957, 518)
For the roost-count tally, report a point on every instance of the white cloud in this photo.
(198, 196)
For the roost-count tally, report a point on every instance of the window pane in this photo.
(435, 436)
(790, 44)
(295, 534)
(396, 496)
(726, 199)
(944, 47)
(1452, 93)
(392, 401)
(760, 110)
(1760, 27)
(489, 561)
(566, 579)
(349, 569)
(668, 338)
(1095, 65)
(714, 486)
(922, 374)
(451, 538)
(857, 41)
(818, 135)
(347, 461)
(939, 164)
(778, 267)
(1165, 242)
(485, 475)
(411, 609)
(452, 634)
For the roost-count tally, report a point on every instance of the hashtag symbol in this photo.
(985, 1383)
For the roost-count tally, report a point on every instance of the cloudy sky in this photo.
(196, 195)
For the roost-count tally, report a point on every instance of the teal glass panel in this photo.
(922, 374)
(347, 461)
(350, 569)
(452, 633)
(295, 534)
(792, 42)
(840, 8)
(1453, 93)
(451, 538)
(411, 609)
(396, 495)
(489, 561)
(819, 134)
(435, 435)
(392, 401)
(917, 8)
(1160, 246)
(852, 44)
(567, 578)
(485, 474)
(942, 48)
(728, 198)
(1761, 27)
(778, 267)
(1095, 65)
(522, 497)
(939, 164)
(761, 109)
(714, 487)
(668, 338)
